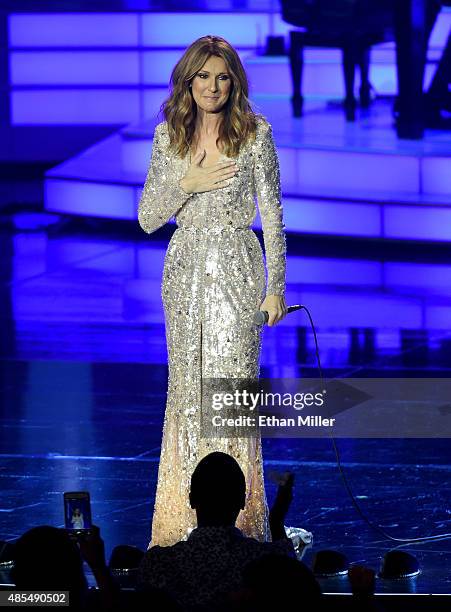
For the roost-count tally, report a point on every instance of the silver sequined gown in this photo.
(213, 282)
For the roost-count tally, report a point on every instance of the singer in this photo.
(210, 157)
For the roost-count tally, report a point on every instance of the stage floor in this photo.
(83, 384)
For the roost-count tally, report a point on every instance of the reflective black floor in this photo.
(83, 381)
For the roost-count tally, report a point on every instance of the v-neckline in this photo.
(220, 158)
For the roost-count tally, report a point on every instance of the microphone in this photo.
(261, 316)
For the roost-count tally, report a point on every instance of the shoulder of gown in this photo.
(263, 125)
(161, 129)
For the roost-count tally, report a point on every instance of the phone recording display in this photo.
(77, 512)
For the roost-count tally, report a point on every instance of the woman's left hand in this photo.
(276, 308)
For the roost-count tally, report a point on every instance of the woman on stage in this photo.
(210, 156)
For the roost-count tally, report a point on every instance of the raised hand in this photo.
(283, 499)
(92, 549)
(280, 507)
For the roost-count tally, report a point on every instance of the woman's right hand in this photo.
(198, 179)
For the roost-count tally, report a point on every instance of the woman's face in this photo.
(211, 85)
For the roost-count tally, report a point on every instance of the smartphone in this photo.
(77, 513)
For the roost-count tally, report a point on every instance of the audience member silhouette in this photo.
(199, 572)
(217, 569)
(275, 582)
(47, 558)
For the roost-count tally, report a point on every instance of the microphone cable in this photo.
(344, 477)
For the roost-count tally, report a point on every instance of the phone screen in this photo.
(77, 511)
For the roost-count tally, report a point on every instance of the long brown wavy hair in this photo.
(239, 123)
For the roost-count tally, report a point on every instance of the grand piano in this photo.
(354, 26)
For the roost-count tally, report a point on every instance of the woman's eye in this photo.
(223, 77)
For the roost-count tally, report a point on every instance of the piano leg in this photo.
(413, 20)
(296, 67)
(349, 53)
(365, 86)
(438, 96)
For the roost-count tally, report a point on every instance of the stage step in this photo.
(350, 180)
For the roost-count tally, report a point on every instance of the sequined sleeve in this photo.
(162, 195)
(267, 185)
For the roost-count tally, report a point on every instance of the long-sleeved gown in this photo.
(213, 282)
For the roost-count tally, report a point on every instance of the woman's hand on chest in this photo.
(199, 178)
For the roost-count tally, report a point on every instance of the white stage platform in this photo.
(337, 178)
